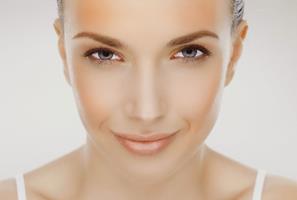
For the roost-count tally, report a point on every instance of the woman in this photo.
(148, 79)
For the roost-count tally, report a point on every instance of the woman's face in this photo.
(146, 80)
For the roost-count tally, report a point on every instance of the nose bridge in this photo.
(146, 101)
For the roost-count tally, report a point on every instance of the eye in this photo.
(102, 55)
(192, 53)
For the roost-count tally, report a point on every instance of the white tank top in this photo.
(257, 192)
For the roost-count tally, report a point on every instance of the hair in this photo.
(60, 4)
(237, 12)
(237, 8)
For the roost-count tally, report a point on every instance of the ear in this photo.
(61, 46)
(237, 45)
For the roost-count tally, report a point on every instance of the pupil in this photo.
(189, 52)
(105, 54)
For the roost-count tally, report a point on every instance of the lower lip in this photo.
(145, 148)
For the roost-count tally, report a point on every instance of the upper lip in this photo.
(148, 138)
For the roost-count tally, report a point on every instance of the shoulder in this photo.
(275, 188)
(8, 189)
(278, 187)
(57, 173)
(241, 181)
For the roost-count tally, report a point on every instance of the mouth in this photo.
(145, 145)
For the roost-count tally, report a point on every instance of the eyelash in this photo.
(205, 53)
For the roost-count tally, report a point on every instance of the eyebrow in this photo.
(191, 37)
(118, 44)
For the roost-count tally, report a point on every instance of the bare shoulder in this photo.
(241, 179)
(57, 174)
(278, 187)
(8, 189)
(275, 188)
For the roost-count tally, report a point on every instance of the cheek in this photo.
(197, 99)
(94, 95)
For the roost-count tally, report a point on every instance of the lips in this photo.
(145, 145)
(149, 138)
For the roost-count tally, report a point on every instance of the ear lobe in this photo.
(65, 67)
(230, 73)
(61, 47)
(66, 75)
(237, 50)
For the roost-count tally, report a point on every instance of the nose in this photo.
(145, 103)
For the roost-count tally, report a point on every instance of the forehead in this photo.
(146, 16)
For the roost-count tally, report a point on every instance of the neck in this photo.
(103, 178)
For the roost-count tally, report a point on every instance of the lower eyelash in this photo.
(205, 52)
(91, 51)
(186, 60)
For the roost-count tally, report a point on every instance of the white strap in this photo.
(258, 189)
(20, 183)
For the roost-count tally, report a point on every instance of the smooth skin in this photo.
(144, 86)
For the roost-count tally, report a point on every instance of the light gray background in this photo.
(257, 124)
